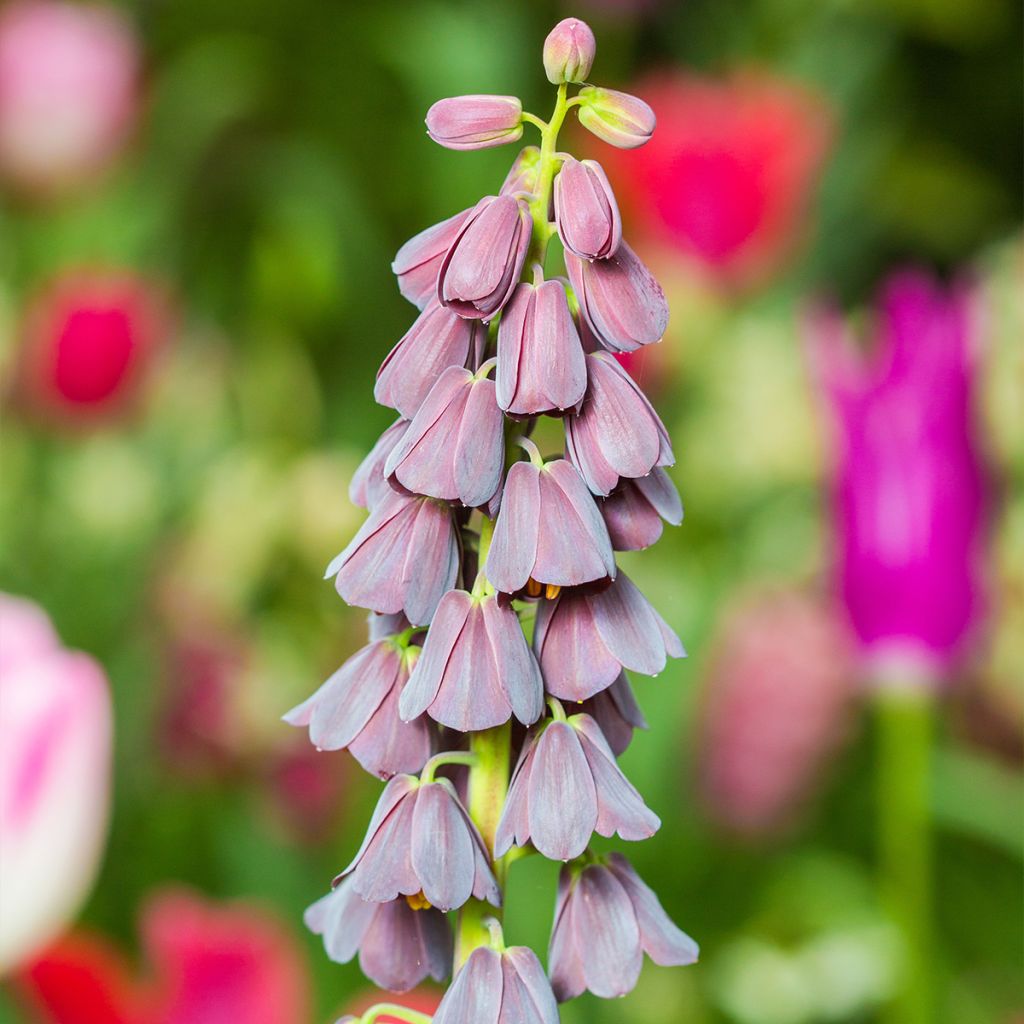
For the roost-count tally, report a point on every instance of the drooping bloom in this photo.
(617, 118)
(775, 709)
(455, 446)
(421, 843)
(437, 340)
(565, 788)
(89, 339)
(569, 51)
(622, 303)
(617, 713)
(728, 178)
(398, 946)
(606, 918)
(404, 558)
(585, 637)
(616, 433)
(476, 670)
(369, 482)
(634, 511)
(548, 530)
(909, 491)
(480, 270)
(68, 90)
(357, 708)
(417, 263)
(586, 212)
(55, 750)
(541, 365)
(499, 988)
(475, 122)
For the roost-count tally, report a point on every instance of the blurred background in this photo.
(199, 202)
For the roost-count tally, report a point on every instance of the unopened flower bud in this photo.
(522, 175)
(569, 52)
(616, 117)
(586, 211)
(475, 122)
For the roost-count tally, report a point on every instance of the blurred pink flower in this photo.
(89, 338)
(211, 964)
(55, 747)
(775, 708)
(727, 177)
(68, 90)
(909, 489)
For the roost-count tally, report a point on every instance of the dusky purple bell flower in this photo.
(422, 844)
(586, 212)
(909, 484)
(509, 987)
(454, 448)
(404, 558)
(417, 263)
(620, 299)
(541, 364)
(475, 122)
(357, 708)
(634, 511)
(522, 175)
(606, 918)
(398, 946)
(617, 713)
(480, 270)
(617, 118)
(369, 483)
(476, 670)
(438, 339)
(616, 433)
(567, 786)
(548, 530)
(585, 637)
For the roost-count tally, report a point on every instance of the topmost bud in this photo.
(569, 51)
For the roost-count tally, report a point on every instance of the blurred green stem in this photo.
(904, 745)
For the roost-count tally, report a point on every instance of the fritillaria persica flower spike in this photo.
(471, 532)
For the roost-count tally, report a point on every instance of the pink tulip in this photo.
(55, 746)
(909, 490)
(68, 90)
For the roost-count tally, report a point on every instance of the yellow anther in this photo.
(551, 591)
(533, 588)
(417, 901)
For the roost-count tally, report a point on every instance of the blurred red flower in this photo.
(726, 179)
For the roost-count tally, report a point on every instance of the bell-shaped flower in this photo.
(398, 946)
(475, 122)
(548, 530)
(541, 364)
(417, 263)
(617, 713)
(634, 511)
(455, 446)
(404, 558)
(586, 212)
(616, 433)
(522, 175)
(623, 304)
(491, 987)
(569, 51)
(565, 788)
(438, 339)
(585, 637)
(369, 483)
(421, 843)
(606, 918)
(481, 268)
(617, 118)
(476, 669)
(357, 708)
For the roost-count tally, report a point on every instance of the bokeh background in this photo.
(199, 202)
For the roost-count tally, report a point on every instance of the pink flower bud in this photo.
(569, 51)
(616, 117)
(475, 122)
(585, 210)
(522, 175)
(55, 743)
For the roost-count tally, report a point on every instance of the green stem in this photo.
(374, 1013)
(542, 228)
(904, 723)
(445, 757)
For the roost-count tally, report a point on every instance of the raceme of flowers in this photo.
(489, 570)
